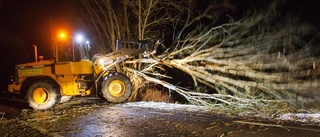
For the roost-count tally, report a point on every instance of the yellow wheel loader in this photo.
(45, 83)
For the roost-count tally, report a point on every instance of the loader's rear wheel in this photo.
(116, 88)
(43, 95)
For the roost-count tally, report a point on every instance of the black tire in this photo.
(100, 95)
(116, 88)
(65, 99)
(43, 95)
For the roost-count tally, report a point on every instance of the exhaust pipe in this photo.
(35, 53)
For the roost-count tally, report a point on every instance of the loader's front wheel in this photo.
(43, 95)
(116, 88)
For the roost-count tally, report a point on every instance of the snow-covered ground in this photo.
(166, 106)
(300, 117)
(313, 118)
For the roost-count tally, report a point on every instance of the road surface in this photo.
(91, 117)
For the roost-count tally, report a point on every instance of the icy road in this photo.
(90, 117)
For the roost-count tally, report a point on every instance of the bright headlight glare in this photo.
(101, 61)
(104, 62)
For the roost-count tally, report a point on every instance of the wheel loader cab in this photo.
(72, 68)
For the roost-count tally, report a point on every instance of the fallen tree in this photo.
(259, 59)
(267, 57)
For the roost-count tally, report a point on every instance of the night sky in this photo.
(28, 22)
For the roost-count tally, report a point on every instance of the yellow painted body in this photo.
(66, 74)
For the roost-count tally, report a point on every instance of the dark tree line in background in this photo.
(267, 56)
(146, 19)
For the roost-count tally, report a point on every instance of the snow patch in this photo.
(294, 117)
(301, 117)
(166, 106)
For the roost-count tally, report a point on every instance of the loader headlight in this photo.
(79, 38)
(104, 62)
